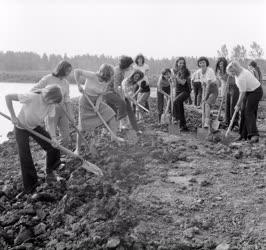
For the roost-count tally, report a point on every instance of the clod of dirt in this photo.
(223, 246)
(44, 197)
(24, 235)
(39, 229)
(205, 183)
(113, 242)
(238, 154)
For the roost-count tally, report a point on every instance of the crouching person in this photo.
(36, 106)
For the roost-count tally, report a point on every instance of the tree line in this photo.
(30, 61)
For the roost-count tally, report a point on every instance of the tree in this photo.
(256, 51)
(239, 52)
(223, 52)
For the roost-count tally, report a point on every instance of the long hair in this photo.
(131, 77)
(106, 72)
(125, 62)
(61, 68)
(182, 72)
(257, 68)
(53, 93)
(137, 58)
(217, 67)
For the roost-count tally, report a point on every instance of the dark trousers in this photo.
(249, 109)
(131, 115)
(160, 99)
(29, 174)
(197, 88)
(231, 99)
(113, 100)
(179, 112)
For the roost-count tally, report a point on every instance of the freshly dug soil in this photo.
(164, 192)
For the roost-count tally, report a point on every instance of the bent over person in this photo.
(60, 119)
(36, 106)
(250, 94)
(95, 87)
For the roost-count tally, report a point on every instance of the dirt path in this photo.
(165, 192)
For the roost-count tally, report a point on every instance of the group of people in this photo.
(120, 96)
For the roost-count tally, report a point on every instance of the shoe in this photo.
(206, 125)
(27, 192)
(254, 139)
(52, 177)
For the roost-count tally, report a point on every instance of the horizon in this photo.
(113, 28)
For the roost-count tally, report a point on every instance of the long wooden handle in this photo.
(100, 116)
(67, 151)
(203, 108)
(77, 130)
(136, 103)
(231, 122)
(167, 106)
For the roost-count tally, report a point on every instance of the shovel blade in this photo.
(132, 137)
(92, 168)
(202, 133)
(165, 119)
(173, 129)
(215, 125)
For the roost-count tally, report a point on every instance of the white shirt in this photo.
(246, 81)
(208, 76)
(34, 110)
(196, 76)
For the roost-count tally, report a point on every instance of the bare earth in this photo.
(165, 192)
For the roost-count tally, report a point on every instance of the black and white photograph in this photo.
(133, 125)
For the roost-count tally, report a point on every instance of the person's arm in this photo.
(41, 84)
(68, 105)
(240, 100)
(79, 73)
(180, 81)
(9, 102)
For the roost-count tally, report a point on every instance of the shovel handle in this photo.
(101, 118)
(136, 103)
(67, 151)
(231, 122)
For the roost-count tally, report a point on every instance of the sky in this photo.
(158, 28)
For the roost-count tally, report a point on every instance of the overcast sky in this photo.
(158, 28)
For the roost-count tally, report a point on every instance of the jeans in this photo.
(231, 99)
(116, 103)
(197, 88)
(160, 99)
(131, 115)
(179, 112)
(249, 109)
(29, 174)
(143, 100)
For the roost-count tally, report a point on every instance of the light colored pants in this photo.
(61, 121)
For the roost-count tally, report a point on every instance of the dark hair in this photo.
(106, 72)
(139, 56)
(203, 58)
(125, 62)
(53, 93)
(165, 71)
(255, 65)
(60, 70)
(131, 77)
(185, 72)
(217, 67)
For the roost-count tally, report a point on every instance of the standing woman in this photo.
(197, 88)
(144, 92)
(181, 76)
(128, 90)
(254, 68)
(60, 119)
(163, 88)
(95, 87)
(250, 94)
(209, 83)
(230, 90)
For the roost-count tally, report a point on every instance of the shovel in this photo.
(165, 119)
(216, 122)
(173, 129)
(77, 130)
(202, 132)
(90, 167)
(118, 139)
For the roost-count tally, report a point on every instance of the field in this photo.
(165, 192)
